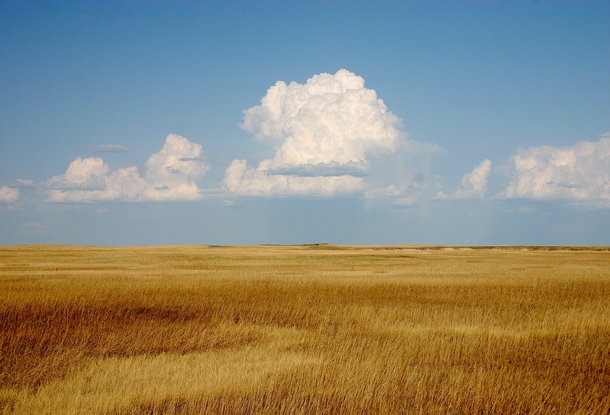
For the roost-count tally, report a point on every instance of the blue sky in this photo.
(475, 122)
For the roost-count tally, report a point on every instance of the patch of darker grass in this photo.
(39, 343)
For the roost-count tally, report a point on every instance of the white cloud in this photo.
(8, 194)
(323, 132)
(474, 184)
(258, 182)
(170, 175)
(580, 172)
(82, 173)
(122, 184)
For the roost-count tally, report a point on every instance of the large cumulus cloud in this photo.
(323, 133)
(580, 172)
(170, 174)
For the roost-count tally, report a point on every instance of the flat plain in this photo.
(318, 329)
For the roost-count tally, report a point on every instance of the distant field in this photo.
(317, 329)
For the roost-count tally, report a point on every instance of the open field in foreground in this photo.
(303, 330)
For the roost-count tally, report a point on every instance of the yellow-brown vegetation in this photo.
(304, 330)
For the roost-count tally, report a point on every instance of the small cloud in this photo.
(228, 203)
(109, 148)
(32, 225)
(474, 184)
(8, 194)
(171, 173)
(391, 190)
(406, 194)
(82, 173)
(406, 201)
(578, 173)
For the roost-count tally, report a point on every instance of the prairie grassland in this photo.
(303, 330)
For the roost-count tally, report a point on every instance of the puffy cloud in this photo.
(8, 194)
(323, 132)
(82, 173)
(474, 184)
(580, 172)
(330, 118)
(122, 184)
(170, 175)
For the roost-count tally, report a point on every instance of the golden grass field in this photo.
(304, 330)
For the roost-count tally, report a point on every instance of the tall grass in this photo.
(303, 330)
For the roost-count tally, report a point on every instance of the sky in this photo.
(293, 122)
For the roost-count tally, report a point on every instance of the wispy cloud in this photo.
(25, 183)
(32, 227)
(109, 148)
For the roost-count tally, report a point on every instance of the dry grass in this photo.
(304, 330)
